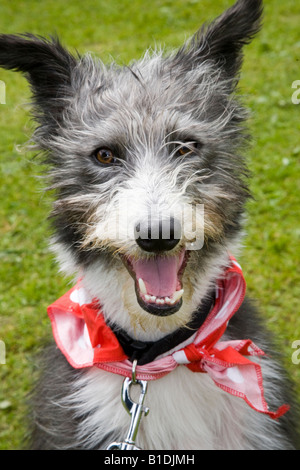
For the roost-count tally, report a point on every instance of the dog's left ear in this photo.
(222, 41)
(46, 64)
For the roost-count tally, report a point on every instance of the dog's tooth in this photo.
(153, 298)
(159, 301)
(177, 295)
(142, 286)
(147, 297)
(167, 300)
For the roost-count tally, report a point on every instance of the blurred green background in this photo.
(123, 29)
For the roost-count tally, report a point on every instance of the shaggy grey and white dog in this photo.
(158, 136)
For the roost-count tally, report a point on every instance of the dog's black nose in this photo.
(160, 235)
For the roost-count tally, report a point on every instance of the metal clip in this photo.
(136, 411)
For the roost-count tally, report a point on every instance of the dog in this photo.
(147, 165)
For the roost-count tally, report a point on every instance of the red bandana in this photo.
(84, 338)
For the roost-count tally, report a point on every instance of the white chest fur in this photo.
(187, 411)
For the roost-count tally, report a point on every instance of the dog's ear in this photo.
(46, 64)
(222, 41)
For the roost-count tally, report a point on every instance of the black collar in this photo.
(146, 351)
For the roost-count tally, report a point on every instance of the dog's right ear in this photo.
(46, 64)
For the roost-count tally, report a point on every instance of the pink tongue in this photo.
(159, 274)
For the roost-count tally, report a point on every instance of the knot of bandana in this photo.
(85, 339)
(233, 372)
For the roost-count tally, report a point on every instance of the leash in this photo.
(135, 410)
(143, 352)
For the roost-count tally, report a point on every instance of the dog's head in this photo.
(146, 164)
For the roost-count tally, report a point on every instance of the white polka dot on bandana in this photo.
(80, 296)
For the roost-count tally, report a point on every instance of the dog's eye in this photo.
(105, 156)
(184, 150)
(188, 149)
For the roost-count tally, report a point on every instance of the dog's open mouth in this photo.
(158, 282)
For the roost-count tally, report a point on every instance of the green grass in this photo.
(123, 29)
